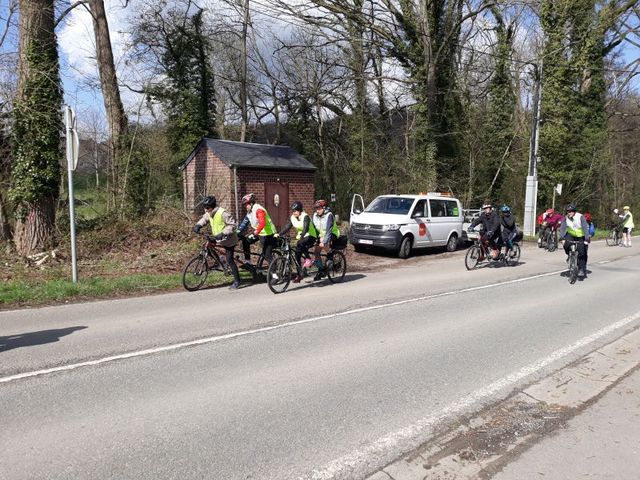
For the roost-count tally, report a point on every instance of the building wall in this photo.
(206, 175)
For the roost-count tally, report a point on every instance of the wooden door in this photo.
(277, 203)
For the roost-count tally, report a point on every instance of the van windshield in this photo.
(393, 205)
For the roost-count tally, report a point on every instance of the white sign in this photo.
(559, 188)
(333, 197)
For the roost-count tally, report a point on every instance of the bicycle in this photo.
(573, 261)
(282, 268)
(551, 240)
(615, 237)
(212, 258)
(480, 251)
(258, 268)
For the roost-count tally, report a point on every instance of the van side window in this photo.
(438, 208)
(452, 208)
(420, 210)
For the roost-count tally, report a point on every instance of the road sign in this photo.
(559, 188)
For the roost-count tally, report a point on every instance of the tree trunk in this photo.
(116, 117)
(33, 232)
(36, 129)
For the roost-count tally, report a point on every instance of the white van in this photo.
(404, 222)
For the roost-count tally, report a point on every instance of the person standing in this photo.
(223, 227)
(627, 226)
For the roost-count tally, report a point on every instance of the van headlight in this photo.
(391, 228)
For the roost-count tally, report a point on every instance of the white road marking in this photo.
(203, 341)
(389, 447)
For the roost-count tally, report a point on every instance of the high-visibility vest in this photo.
(269, 227)
(217, 222)
(628, 223)
(574, 226)
(321, 224)
(298, 223)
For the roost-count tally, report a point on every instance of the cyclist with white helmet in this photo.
(574, 227)
(490, 221)
(263, 228)
(627, 226)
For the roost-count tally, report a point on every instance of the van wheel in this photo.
(405, 248)
(452, 244)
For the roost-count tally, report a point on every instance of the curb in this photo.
(481, 445)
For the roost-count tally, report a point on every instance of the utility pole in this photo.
(243, 74)
(531, 196)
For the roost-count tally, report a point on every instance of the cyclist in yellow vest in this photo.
(575, 227)
(223, 227)
(307, 235)
(263, 229)
(627, 226)
(328, 231)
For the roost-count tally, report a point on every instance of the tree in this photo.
(36, 129)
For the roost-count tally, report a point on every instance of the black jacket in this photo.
(508, 222)
(490, 223)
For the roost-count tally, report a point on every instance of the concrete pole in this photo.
(68, 120)
(531, 196)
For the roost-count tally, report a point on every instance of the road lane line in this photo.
(218, 338)
(392, 446)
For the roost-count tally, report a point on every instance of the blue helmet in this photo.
(505, 209)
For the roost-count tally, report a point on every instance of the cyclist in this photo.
(328, 231)
(307, 235)
(574, 227)
(223, 227)
(548, 221)
(490, 221)
(263, 229)
(509, 228)
(627, 226)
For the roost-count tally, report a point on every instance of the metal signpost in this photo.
(73, 145)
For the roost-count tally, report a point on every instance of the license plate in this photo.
(366, 242)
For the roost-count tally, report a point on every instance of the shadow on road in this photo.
(35, 338)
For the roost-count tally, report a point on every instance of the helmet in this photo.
(297, 205)
(248, 198)
(570, 208)
(487, 205)
(549, 211)
(320, 204)
(209, 202)
(626, 207)
(505, 209)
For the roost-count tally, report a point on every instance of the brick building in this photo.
(277, 175)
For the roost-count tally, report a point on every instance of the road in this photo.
(324, 381)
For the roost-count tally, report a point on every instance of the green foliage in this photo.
(36, 129)
(188, 92)
(573, 135)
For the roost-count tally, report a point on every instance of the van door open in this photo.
(357, 206)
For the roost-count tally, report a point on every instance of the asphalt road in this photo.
(324, 381)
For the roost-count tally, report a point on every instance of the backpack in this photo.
(592, 229)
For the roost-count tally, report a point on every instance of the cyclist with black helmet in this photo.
(328, 231)
(574, 227)
(307, 235)
(223, 227)
(263, 228)
(490, 221)
(509, 228)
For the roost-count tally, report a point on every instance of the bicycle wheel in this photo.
(279, 274)
(195, 273)
(552, 244)
(339, 268)
(472, 258)
(573, 268)
(513, 255)
(612, 239)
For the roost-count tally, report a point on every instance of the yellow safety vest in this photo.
(298, 223)
(628, 223)
(217, 222)
(321, 224)
(269, 227)
(574, 226)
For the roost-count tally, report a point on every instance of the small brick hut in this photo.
(277, 175)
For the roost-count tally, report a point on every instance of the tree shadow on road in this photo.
(35, 338)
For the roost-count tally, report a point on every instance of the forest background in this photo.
(381, 95)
